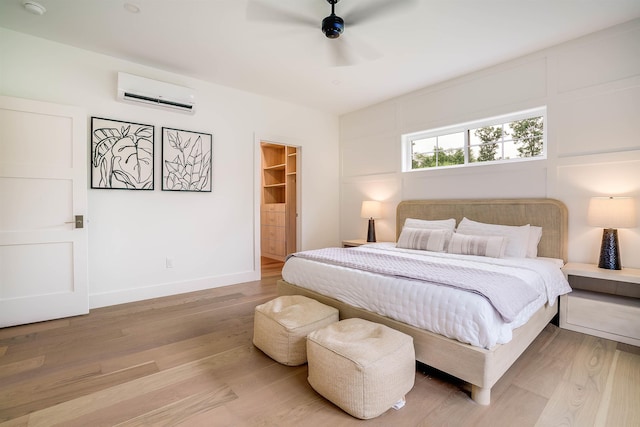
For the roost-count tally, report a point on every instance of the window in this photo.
(513, 137)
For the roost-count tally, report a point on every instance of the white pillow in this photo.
(517, 236)
(467, 244)
(423, 239)
(438, 224)
(535, 234)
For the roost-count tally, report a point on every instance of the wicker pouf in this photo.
(363, 367)
(281, 326)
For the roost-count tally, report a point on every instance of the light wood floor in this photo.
(187, 360)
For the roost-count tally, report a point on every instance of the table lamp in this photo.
(371, 209)
(611, 213)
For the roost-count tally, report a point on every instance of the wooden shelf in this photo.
(278, 215)
(604, 303)
(275, 167)
(352, 243)
(629, 275)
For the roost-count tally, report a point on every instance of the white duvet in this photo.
(457, 314)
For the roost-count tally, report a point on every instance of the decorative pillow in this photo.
(535, 234)
(467, 244)
(517, 237)
(438, 224)
(423, 239)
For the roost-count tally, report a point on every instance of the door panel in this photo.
(43, 185)
(25, 136)
(54, 274)
(42, 203)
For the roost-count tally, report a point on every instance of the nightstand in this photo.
(352, 243)
(604, 303)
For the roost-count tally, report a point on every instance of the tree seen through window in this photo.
(497, 142)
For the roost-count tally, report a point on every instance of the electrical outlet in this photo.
(169, 262)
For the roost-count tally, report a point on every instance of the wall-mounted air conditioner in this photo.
(154, 93)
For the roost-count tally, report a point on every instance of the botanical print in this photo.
(186, 160)
(121, 155)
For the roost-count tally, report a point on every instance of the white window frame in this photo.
(408, 138)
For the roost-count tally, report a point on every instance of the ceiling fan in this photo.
(333, 26)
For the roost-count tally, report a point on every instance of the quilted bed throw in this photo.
(506, 293)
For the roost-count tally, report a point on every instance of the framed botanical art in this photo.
(186, 160)
(121, 154)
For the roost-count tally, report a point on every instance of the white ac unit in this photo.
(155, 93)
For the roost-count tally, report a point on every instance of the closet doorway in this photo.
(279, 201)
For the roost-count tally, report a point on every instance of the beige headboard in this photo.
(549, 214)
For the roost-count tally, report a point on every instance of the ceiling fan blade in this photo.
(365, 49)
(348, 51)
(376, 9)
(340, 54)
(261, 11)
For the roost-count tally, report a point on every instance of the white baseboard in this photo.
(104, 299)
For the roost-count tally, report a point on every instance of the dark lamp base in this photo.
(609, 252)
(371, 234)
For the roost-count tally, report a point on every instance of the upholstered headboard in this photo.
(549, 214)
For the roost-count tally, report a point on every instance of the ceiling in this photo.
(276, 47)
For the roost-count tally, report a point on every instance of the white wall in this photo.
(591, 87)
(210, 236)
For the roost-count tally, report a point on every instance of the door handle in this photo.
(78, 223)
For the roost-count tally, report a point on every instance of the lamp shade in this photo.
(371, 209)
(612, 212)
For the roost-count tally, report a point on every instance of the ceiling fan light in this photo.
(332, 26)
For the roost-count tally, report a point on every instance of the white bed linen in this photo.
(464, 316)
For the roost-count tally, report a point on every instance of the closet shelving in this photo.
(278, 208)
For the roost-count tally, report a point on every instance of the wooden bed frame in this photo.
(480, 367)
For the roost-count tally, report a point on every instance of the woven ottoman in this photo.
(363, 367)
(281, 326)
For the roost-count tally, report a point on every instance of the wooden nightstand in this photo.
(604, 303)
(352, 243)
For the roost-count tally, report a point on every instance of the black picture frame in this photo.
(122, 154)
(187, 160)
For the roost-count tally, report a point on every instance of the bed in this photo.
(480, 367)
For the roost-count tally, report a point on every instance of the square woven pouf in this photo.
(363, 367)
(281, 326)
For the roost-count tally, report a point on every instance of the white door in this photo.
(43, 186)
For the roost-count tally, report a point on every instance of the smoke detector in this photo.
(33, 7)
